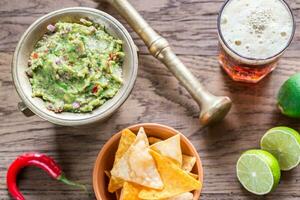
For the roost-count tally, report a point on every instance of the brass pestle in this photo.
(213, 108)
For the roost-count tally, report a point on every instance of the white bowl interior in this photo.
(36, 31)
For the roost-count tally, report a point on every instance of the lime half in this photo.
(284, 144)
(258, 171)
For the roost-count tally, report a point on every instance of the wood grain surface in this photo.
(190, 26)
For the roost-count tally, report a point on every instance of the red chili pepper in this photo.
(34, 159)
(35, 55)
(95, 89)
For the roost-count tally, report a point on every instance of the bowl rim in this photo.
(93, 118)
(145, 125)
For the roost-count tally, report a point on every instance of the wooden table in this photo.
(190, 26)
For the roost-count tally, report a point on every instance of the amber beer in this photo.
(253, 34)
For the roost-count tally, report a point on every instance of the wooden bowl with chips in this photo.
(105, 160)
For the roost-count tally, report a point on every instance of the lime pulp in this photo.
(284, 144)
(258, 171)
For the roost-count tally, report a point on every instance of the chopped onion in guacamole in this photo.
(76, 67)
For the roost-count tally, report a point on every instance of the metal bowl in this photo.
(37, 30)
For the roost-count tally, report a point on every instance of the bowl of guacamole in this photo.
(75, 66)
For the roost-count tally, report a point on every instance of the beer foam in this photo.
(256, 29)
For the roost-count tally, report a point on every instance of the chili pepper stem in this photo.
(63, 179)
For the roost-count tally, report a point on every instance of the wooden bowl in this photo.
(106, 156)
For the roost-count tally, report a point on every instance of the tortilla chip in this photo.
(137, 165)
(107, 173)
(127, 139)
(188, 163)
(170, 148)
(118, 194)
(176, 181)
(183, 196)
(195, 176)
(153, 140)
(115, 184)
(130, 191)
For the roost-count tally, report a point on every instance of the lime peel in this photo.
(288, 97)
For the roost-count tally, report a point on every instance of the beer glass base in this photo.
(244, 73)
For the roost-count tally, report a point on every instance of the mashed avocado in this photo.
(76, 67)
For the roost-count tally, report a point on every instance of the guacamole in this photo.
(76, 67)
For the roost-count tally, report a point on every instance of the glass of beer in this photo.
(253, 34)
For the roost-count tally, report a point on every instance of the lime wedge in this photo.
(284, 144)
(258, 171)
